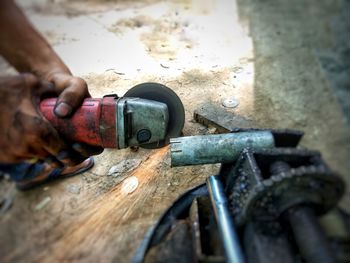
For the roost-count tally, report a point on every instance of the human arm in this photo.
(24, 48)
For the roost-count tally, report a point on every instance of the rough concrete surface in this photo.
(265, 54)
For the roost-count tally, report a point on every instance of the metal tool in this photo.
(148, 115)
(233, 252)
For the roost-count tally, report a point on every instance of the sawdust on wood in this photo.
(93, 224)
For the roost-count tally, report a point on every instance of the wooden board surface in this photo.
(85, 226)
(206, 52)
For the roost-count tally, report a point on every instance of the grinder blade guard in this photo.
(176, 112)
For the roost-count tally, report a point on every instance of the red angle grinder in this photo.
(148, 115)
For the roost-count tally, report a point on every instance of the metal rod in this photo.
(224, 221)
(312, 242)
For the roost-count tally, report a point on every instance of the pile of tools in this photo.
(266, 204)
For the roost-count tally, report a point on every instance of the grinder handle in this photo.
(93, 123)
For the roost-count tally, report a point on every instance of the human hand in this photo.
(28, 51)
(24, 132)
(73, 90)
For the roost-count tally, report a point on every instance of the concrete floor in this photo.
(266, 54)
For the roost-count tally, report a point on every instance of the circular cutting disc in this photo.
(161, 93)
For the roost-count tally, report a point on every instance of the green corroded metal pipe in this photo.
(217, 148)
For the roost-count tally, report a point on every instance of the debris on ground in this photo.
(43, 203)
(124, 167)
(130, 185)
(74, 188)
(6, 201)
(230, 103)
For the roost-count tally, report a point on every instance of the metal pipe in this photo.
(216, 148)
(224, 221)
(308, 234)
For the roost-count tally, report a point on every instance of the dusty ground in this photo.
(259, 52)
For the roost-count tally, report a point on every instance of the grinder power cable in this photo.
(148, 115)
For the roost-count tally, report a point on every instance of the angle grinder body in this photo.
(121, 122)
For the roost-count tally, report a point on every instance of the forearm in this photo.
(23, 47)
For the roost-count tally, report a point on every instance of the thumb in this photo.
(72, 96)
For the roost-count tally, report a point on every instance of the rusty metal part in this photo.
(276, 196)
(308, 234)
(223, 121)
(206, 241)
(254, 192)
(293, 184)
(226, 122)
(158, 233)
(263, 246)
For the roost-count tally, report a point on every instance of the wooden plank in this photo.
(97, 228)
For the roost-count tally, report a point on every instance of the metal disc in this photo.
(161, 93)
